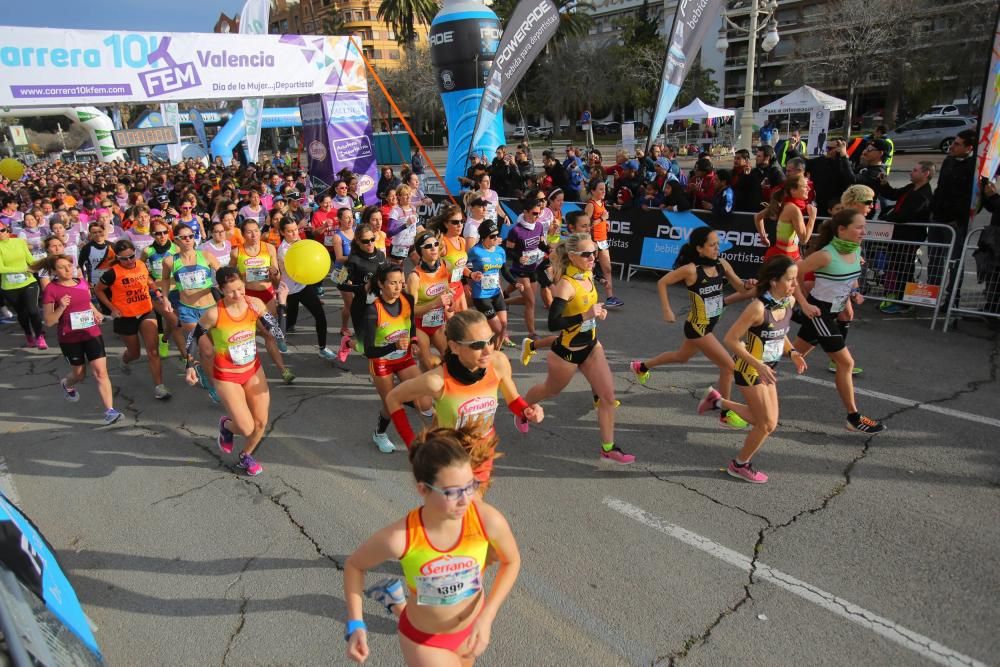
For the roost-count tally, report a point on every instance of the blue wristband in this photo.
(353, 626)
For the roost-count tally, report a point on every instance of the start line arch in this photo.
(96, 122)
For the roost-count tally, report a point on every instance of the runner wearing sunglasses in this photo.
(487, 262)
(449, 225)
(464, 389)
(362, 264)
(452, 618)
(428, 284)
(153, 257)
(574, 314)
(526, 248)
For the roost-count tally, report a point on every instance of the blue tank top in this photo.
(489, 263)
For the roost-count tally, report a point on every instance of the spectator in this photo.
(471, 175)
(950, 206)
(627, 188)
(555, 171)
(387, 181)
(701, 188)
(768, 175)
(746, 188)
(674, 198)
(871, 169)
(670, 153)
(831, 175)
(417, 162)
(878, 133)
(503, 173)
(651, 199)
(722, 201)
(793, 146)
(576, 174)
(797, 167)
(913, 205)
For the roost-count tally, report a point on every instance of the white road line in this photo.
(7, 483)
(894, 632)
(909, 402)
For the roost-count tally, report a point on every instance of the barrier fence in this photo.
(977, 289)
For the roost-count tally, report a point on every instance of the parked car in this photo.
(518, 132)
(930, 133)
(539, 132)
(610, 127)
(946, 110)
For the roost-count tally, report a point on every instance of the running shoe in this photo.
(521, 424)
(861, 424)
(163, 348)
(40, 342)
(202, 377)
(509, 344)
(640, 375)
(616, 455)
(225, 439)
(327, 354)
(746, 472)
(730, 419)
(527, 351)
(387, 592)
(160, 392)
(249, 464)
(126, 369)
(287, 375)
(111, 416)
(832, 367)
(597, 403)
(895, 309)
(212, 394)
(282, 344)
(72, 395)
(8, 319)
(384, 443)
(29, 341)
(345, 349)
(708, 400)
(320, 291)
(613, 302)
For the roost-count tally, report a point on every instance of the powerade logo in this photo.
(661, 252)
(347, 111)
(312, 113)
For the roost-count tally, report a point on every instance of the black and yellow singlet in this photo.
(765, 341)
(706, 301)
(583, 333)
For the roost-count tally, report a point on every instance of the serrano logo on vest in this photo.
(437, 288)
(478, 405)
(448, 565)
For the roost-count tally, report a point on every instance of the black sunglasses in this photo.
(587, 254)
(456, 221)
(477, 345)
(493, 236)
(161, 233)
(867, 202)
(123, 258)
(367, 241)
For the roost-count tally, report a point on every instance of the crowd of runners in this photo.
(190, 261)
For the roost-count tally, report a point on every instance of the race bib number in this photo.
(95, 275)
(490, 281)
(400, 251)
(773, 349)
(396, 354)
(456, 274)
(83, 319)
(839, 304)
(713, 306)
(243, 353)
(448, 589)
(433, 318)
(38, 253)
(340, 275)
(588, 325)
(491, 211)
(257, 274)
(157, 265)
(329, 240)
(532, 256)
(195, 279)
(15, 278)
(603, 245)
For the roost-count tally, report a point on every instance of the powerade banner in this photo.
(532, 25)
(47, 67)
(337, 134)
(198, 123)
(253, 21)
(688, 32)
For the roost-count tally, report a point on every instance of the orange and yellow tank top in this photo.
(391, 328)
(254, 268)
(599, 226)
(432, 285)
(234, 339)
(455, 257)
(467, 405)
(445, 577)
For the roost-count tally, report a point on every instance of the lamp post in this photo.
(758, 10)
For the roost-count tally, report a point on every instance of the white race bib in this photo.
(38, 253)
(588, 325)
(329, 240)
(490, 281)
(603, 245)
(340, 276)
(257, 274)
(243, 353)
(532, 256)
(713, 305)
(433, 318)
(15, 278)
(158, 267)
(839, 304)
(456, 274)
(400, 251)
(193, 279)
(95, 275)
(773, 349)
(448, 589)
(83, 319)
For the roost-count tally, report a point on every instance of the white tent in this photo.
(804, 100)
(698, 110)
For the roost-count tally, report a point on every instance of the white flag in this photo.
(172, 118)
(253, 21)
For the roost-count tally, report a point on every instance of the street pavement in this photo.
(860, 550)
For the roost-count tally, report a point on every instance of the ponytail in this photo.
(689, 251)
(828, 230)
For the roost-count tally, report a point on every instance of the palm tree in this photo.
(402, 15)
(334, 24)
(574, 23)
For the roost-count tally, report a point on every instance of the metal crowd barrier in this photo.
(970, 296)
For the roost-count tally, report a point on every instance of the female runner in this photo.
(597, 211)
(451, 621)
(796, 219)
(526, 249)
(362, 264)
(428, 285)
(20, 288)
(758, 339)
(705, 274)
(494, 211)
(153, 257)
(344, 237)
(487, 262)
(574, 315)
(297, 293)
(403, 226)
(218, 245)
(449, 225)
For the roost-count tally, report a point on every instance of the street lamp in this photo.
(758, 10)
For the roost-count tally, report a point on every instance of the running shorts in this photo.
(449, 642)
(573, 356)
(823, 330)
(82, 351)
(692, 334)
(129, 326)
(265, 295)
(382, 367)
(491, 306)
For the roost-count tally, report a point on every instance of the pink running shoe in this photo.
(616, 455)
(345, 348)
(40, 342)
(521, 424)
(29, 341)
(225, 436)
(708, 400)
(249, 464)
(746, 472)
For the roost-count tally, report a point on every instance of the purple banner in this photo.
(337, 134)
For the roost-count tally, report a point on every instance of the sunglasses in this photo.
(184, 237)
(3, 230)
(586, 254)
(477, 345)
(493, 236)
(367, 241)
(867, 202)
(455, 493)
(428, 246)
(161, 233)
(185, 208)
(456, 221)
(123, 258)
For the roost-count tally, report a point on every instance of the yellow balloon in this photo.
(11, 169)
(307, 262)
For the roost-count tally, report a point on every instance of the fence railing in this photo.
(977, 289)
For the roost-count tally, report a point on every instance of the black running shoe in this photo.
(862, 424)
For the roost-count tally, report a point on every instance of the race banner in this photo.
(337, 135)
(691, 22)
(49, 67)
(253, 21)
(988, 150)
(531, 26)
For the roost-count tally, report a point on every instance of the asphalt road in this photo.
(860, 550)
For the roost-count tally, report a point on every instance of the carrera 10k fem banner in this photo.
(43, 66)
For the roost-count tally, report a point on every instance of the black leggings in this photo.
(309, 298)
(24, 302)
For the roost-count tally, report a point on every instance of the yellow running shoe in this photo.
(527, 351)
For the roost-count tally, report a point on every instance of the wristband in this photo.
(352, 627)
(518, 406)
(402, 425)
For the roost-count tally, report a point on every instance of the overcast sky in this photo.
(169, 15)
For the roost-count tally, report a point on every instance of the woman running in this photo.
(475, 209)
(758, 339)
(236, 370)
(449, 225)
(796, 219)
(68, 307)
(344, 237)
(218, 245)
(464, 390)
(487, 262)
(428, 285)
(526, 249)
(699, 267)
(494, 211)
(574, 314)
(298, 293)
(19, 286)
(362, 265)
(389, 336)
(836, 261)
(257, 263)
(34, 233)
(597, 211)
(127, 290)
(153, 257)
(451, 618)
(372, 216)
(403, 226)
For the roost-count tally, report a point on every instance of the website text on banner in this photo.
(337, 134)
(46, 67)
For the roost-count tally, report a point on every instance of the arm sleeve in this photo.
(507, 275)
(413, 317)
(557, 321)
(108, 278)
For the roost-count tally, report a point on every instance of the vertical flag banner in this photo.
(988, 151)
(688, 32)
(198, 123)
(531, 26)
(171, 118)
(253, 21)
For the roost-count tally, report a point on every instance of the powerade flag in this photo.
(464, 37)
(198, 123)
(531, 26)
(688, 32)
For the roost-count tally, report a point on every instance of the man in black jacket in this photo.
(950, 206)
(503, 173)
(871, 170)
(746, 188)
(555, 170)
(912, 209)
(831, 174)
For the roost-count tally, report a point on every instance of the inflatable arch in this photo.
(96, 122)
(235, 130)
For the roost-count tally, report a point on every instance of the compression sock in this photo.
(383, 424)
(607, 446)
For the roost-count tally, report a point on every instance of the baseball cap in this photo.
(488, 228)
(663, 163)
(631, 164)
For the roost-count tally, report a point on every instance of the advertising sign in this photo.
(17, 135)
(47, 66)
(337, 134)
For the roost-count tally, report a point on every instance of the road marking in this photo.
(894, 632)
(909, 402)
(7, 483)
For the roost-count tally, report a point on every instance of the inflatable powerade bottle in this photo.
(464, 37)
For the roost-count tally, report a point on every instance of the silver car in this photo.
(934, 133)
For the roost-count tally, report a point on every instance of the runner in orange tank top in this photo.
(597, 211)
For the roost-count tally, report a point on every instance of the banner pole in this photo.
(403, 120)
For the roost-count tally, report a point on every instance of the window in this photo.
(359, 16)
(378, 54)
(394, 55)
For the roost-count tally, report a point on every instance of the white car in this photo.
(942, 110)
